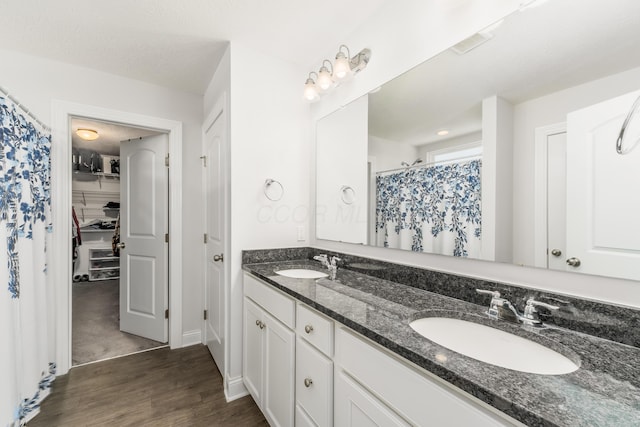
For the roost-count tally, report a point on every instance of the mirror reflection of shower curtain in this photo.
(435, 209)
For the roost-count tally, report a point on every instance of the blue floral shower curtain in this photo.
(24, 224)
(434, 209)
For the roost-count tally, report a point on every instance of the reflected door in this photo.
(603, 192)
(143, 224)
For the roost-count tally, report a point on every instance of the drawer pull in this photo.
(308, 329)
(308, 382)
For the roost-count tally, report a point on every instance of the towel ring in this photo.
(273, 190)
(632, 113)
(347, 194)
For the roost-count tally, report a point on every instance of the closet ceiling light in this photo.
(87, 134)
(328, 77)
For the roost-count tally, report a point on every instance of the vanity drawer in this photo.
(314, 383)
(273, 301)
(315, 328)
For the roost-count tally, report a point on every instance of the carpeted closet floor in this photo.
(96, 332)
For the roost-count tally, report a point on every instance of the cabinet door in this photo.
(279, 359)
(314, 383)
(356, 407)
(252, 359)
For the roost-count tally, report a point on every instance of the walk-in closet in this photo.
(95, 220)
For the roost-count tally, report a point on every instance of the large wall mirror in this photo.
(505, 147)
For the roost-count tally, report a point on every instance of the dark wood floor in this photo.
(156, 388)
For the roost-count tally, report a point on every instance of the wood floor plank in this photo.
(157, 388)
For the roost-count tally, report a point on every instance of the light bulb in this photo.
(324, 78)
(341, 67)
(310, 90)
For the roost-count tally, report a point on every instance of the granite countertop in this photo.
(605, 391)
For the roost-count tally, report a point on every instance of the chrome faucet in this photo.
(330, 263)
(502, 309)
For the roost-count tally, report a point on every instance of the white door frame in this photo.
(59, 267)
(542, 134)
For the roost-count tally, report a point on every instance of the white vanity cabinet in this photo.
(376, 388)
(269, 351)
(304, 369)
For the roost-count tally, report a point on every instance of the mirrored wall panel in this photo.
(520, 144)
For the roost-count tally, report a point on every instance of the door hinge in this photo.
(204, 161)
(166, 160)
(206, 238)
(166, 237)
(166, 313)
(205, 315)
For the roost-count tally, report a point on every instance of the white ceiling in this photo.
(176, 43)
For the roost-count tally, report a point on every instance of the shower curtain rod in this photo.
(424, 165)
(24, 109)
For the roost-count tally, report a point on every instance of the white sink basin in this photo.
(493, 346)
(301, 273)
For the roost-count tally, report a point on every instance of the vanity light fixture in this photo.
(310, 90)
(342, 67)
(325, 79)
(329, 77)
(87, 134)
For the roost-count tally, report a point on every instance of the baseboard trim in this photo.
(191, 338)
(234, 389)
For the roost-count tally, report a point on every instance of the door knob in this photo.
(217, 258)
(120, 245)
(573, 262)
(308, 382)
(556, 252)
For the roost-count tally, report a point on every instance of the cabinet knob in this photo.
(556, 252)
(308, 382)
(573, 262)
(308, 329)
(217, 258)
(260, 324)
(120, 245)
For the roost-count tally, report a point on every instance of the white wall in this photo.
(269, 139)
(401, 36)
(469, 138)
(390, 154)
(341, 139)
(548, 110)
(35, 82)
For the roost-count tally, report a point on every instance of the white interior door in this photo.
(556, 200)
(603, 201)
(143, 223)
(214, 148)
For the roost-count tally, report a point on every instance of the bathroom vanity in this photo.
(320, 353)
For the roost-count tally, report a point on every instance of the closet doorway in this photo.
(119, 188)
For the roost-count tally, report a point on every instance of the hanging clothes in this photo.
(76, 236)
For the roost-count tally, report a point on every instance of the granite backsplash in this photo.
(612, 322)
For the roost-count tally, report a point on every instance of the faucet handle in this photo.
(494, 294)
(532, 304)
(531, 313)
(335, 260)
